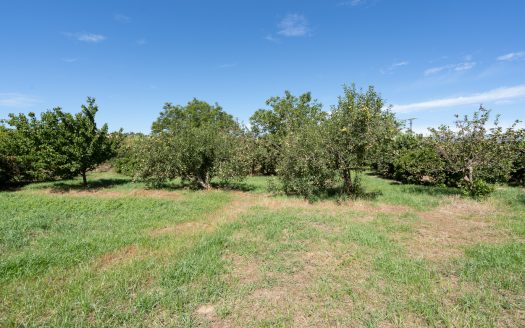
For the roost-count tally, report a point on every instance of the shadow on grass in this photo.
(178, 185)
(430, 190)
(62, 187)
(12, 187)
(420, 189)
(237, 186)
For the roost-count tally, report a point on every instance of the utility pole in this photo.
(410, 120)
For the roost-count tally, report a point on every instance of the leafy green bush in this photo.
(9, 170)
(60, 144)
(128, 154)
(196, 142)
(517, 175)
(305, 167)
(474, 154)
(270, 127)
(478, 189)
(384, 154)
(420, 166)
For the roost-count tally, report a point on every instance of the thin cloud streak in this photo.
(352, 3)
(504, 93)
(465, 66)
(293, 25)
(393, 67)
(87, 37)
(17, 100)
(122, 18)
(512, 56)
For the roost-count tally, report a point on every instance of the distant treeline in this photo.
(312, 152)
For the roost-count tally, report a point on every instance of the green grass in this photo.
(115, 256)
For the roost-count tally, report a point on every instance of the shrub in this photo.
(384, 155)
(420, 166)
(196, 143)
(474, 154)
(305, 167)
(128, 154)
(270, 127)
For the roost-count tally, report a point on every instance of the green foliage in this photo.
(305, 166)
(326, 149)
(474, 154)
(61, 144)
(196, 142)
(84, 145)
(420, 166)
(357, 125)
(9, 170)
(517, 141)
(385, 154)
(270, 127)
(479, 188)
(128, 154)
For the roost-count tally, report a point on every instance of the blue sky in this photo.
(430, 59)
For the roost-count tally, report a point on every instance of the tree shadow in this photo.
(237, 186)
(430, 190)
(63, 187)
(420, 188)
(12, 187)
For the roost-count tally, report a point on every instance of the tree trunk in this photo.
(84, 178)
(471, 177)
(204, 181)
(348, 188)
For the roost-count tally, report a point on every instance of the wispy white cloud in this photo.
(87, 37)
(142, 41)
(352, 3)
(512, 56)
(435, 70)
(17, 100)
(121, 18)
(464, 66)
(394, 66)
(293, 25)
(505, 93)
(69, 60)
(271, 38)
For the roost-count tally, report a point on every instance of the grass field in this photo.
(119, 254)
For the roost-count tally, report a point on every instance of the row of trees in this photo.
(472, 156)
(314, 152)
(56, 145)
(311, 151)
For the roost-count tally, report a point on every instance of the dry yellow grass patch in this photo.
(116, 257)
(447, 229)
(105, 193)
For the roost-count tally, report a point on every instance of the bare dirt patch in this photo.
(207, 311)
(116, 257)
(445, 230)
(333, 207)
